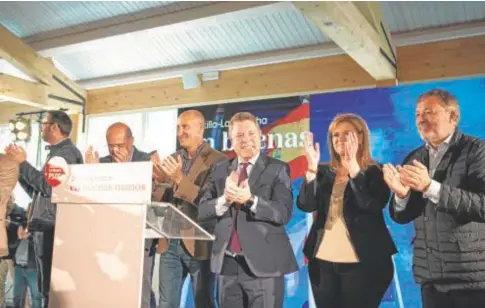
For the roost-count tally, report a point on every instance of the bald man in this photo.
(186, 171)
(120, 145)
(121, 150)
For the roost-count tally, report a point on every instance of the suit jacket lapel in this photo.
(232, 166)
(136, 155)
(257, 169)
(330, 181)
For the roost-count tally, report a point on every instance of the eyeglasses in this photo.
(47, 123)
(115, 146)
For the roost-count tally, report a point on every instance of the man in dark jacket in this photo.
(121, 149)
(250, 197)
(441, 187)
(56, 129)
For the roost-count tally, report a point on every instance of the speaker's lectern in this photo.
(104, 217)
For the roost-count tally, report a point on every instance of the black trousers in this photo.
(238, 287)
(432, 298)
(43, 248)
(350, 285)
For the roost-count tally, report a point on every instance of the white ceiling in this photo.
(103, 43)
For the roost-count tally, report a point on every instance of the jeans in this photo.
(3, 280)
(175, 265)
(26, 278)
(43, 247)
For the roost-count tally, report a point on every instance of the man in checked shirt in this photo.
(187, 171)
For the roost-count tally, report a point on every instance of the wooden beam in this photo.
(433, 61)
(94, 34)
(359, 29)
(22, 91)
(314, 75)
(10, 109)
(442, 60)
(386, 83)
(33, 94)
(26, 59)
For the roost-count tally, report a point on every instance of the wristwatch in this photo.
(250, 202)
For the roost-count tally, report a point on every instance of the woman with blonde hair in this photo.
(349, 247)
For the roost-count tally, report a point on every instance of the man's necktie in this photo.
(234, 243)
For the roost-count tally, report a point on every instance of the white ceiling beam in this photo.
(28, 61)
(10, 109)
(215, 65)
(153, 21)
(7, 68)
(359, 29)
(402, 39)
(34, 94)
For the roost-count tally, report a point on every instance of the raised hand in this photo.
(231, 183)
(121, 155)
(312, 152)
(392, 177)
(16, 153)
(158, 175)
(173, 168)
(349, 159)
(91, 156)
(415, 176)
(238, 194)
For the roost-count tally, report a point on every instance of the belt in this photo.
(233, 255)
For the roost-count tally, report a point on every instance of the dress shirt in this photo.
(221, 205)
(433, 191)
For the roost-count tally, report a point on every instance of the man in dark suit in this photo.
(252, 200)
(56, 128)
(186, 173)
(441, 188)
(121, 150)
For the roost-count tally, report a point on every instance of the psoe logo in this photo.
(56, 171)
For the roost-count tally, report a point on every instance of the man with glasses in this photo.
(121, 150)
(56, 129)
(120, 140)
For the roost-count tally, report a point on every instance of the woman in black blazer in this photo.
(349, 247)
